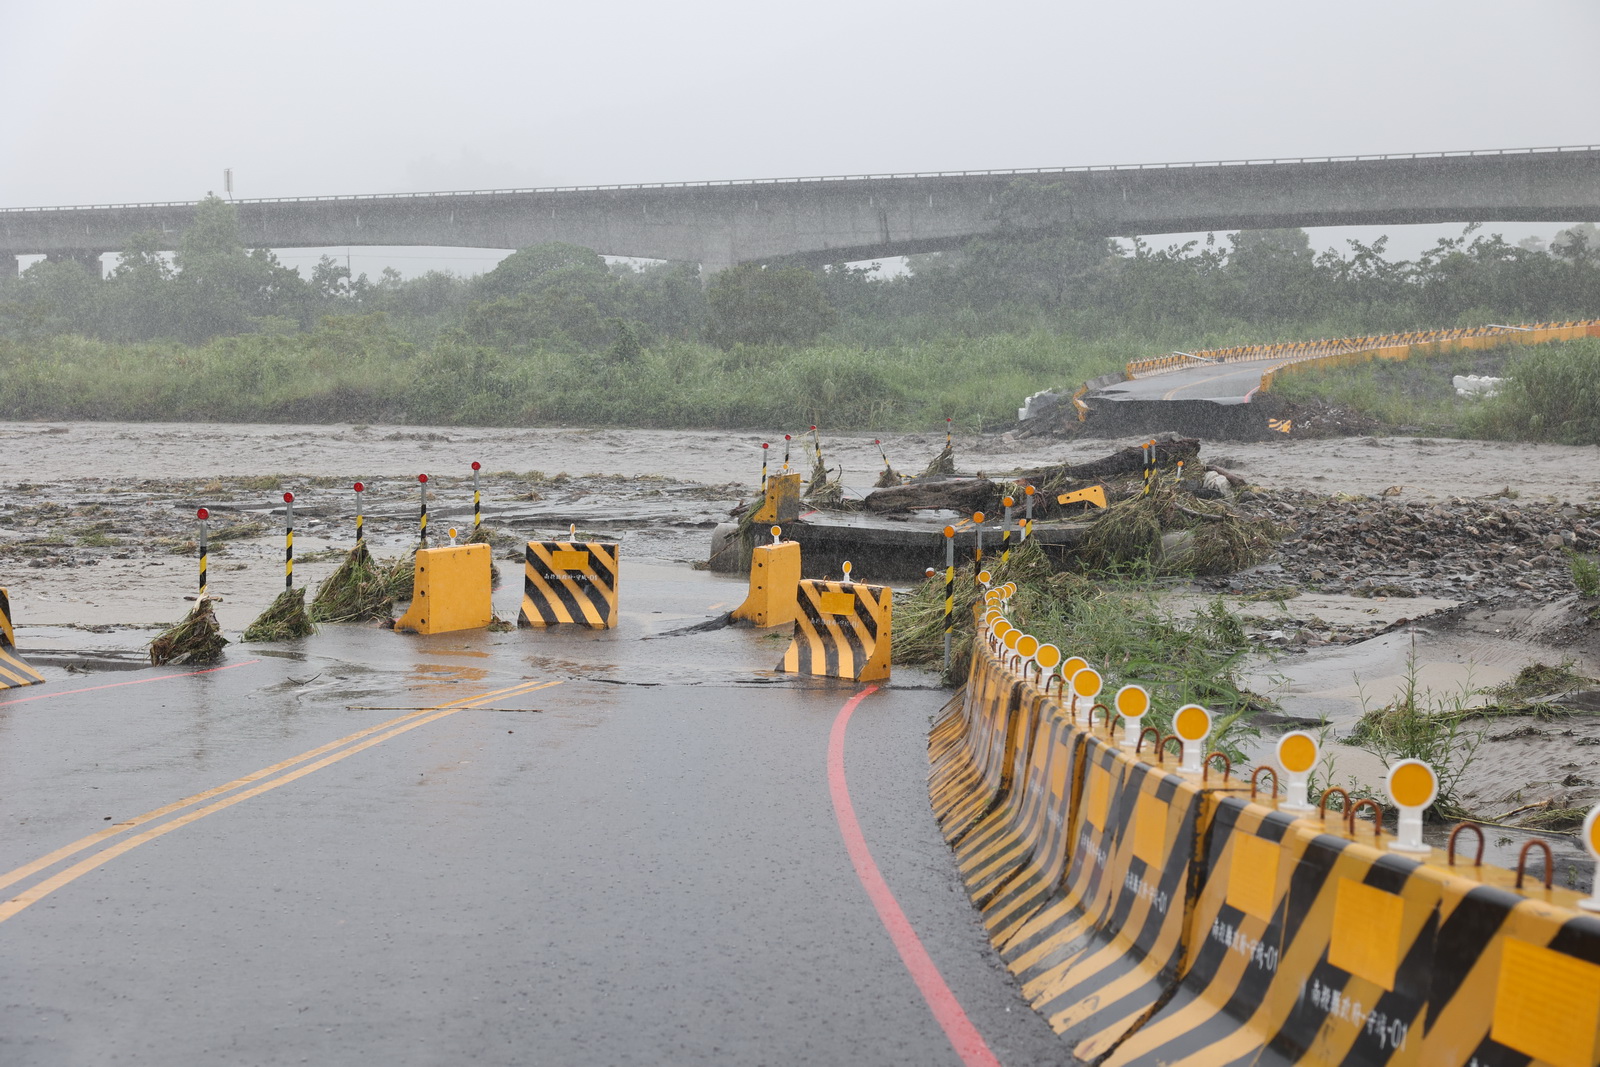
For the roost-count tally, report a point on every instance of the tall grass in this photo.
(978, 381)
(1553, 395)
(368, 370)
(1553, 392)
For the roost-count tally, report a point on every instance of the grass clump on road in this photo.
(359, 590)
(285, 620)
(196, 640)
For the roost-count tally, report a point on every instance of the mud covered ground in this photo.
(1439, 561)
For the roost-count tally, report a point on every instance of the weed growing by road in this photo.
(1585, 573)
(1418, 724)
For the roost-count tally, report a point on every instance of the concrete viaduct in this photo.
(836, 219)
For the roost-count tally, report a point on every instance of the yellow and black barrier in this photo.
(569, 582)
(450, 590)
(781, 499)
(1156, 916)
(981, 846)
(971, 777)
(1236, 946)
(842, 631)
(1094, 987)
(1013, 881)
(774, 585)
(14, 671)
(1515, 976)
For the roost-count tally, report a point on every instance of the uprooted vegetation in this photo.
(1174, 532)
(1115, 624)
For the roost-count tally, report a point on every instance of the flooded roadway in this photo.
(555, 846)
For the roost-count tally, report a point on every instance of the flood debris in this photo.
(196, 640)
(360, 590)
(284, 620)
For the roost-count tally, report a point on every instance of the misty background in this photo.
(116, 103)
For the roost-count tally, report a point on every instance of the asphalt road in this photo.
(1227, 383)
(537, 847)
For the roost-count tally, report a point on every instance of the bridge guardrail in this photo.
(890, 176)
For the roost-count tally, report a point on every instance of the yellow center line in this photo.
(417, 718)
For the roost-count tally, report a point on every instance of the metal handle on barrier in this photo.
(1255, 780)
(1106, 718)
(1322, 805)
(1549, 861)
(1058, 680)
(1450, 849)
(1161, 747)
(1205, 766)
(1138, 748)
(1377, 816)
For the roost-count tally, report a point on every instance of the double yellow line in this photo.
(225, 796)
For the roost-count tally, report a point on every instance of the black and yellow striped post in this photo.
(288, 540)
(887, 468)
(360, 534)
(1005, 530)
(764, 448)
(203, 514)
(1149, 465)
(786, 440)
(949, 589)
(477, 498)
(422, 513)
(977, 552)
(1027, 510)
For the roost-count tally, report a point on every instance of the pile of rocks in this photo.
(1460, 548)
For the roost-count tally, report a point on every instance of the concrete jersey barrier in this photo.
(1158, 917)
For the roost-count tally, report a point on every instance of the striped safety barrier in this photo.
(843, 630)
(14, 671)
(570, 582)
(1158, 912)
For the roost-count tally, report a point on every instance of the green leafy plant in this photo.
(1585, 573)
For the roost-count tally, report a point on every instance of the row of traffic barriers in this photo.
(842, 629)
(1160, 910)
(1387, 346)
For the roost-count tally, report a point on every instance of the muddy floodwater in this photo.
(97, 544)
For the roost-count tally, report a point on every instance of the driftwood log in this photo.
(964, 495)
(1129, 461)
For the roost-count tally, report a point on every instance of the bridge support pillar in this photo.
(90, 261)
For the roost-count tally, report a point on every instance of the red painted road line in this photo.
(136, 681)
(964, 1037)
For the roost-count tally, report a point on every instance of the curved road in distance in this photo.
(1222, 383)
(537, 847)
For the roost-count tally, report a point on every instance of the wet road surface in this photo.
(534, 847)
(1227, 383)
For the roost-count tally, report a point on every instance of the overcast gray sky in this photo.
(116, 101)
